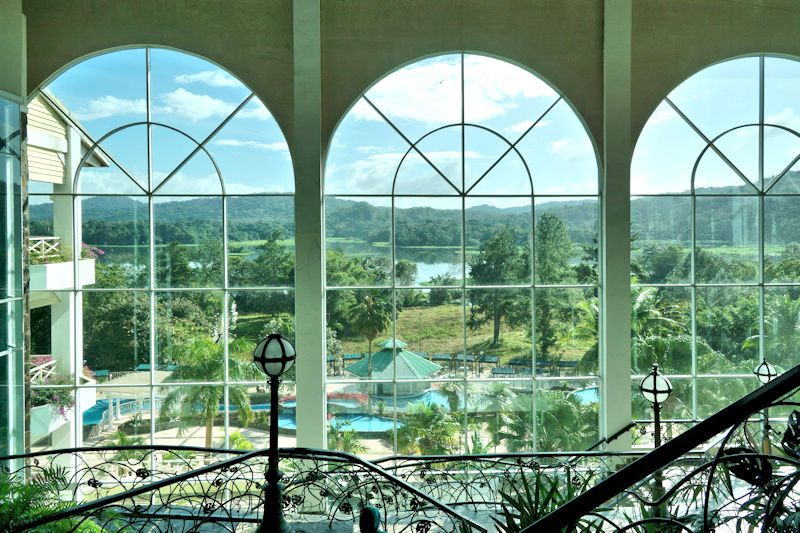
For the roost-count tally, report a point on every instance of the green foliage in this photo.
(442, 296)
(369, 314)
(24, 501)
(562, 421)
(344, 438)
(237, 441)
(428, 430)
(201, 359)
(499, 262)
(530, 497)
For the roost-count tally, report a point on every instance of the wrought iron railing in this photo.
(747, 482)
(177, 489)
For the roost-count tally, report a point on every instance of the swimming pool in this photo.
(587, 395)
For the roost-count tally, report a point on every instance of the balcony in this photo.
(52, 270)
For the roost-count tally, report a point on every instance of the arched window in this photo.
(716, 260)
(161, 194)
(461, 215)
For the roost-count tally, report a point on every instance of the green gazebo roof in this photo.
(409, 365)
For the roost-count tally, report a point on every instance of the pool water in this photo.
(587, 395)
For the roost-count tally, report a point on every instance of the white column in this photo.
(615, 274)
(307, 158)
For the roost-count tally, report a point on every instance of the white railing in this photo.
(44, 247)
(42, 371)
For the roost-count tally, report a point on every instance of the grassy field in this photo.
(435, 330)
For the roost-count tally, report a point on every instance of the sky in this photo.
(519, 132)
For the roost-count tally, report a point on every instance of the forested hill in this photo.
(110, 220)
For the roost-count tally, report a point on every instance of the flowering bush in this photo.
(62, 398)
(360, 397)
(88, 372)
(42, 359)
(90, 252)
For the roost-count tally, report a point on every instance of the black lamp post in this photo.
(656, 389)
(275, 355)
(765, 373)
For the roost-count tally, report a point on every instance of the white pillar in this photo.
(307, 159)
(615, 274)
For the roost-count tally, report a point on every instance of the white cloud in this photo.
(662, 116)
(787, 118)
(429, 91)
(110, 106)
(569, 148)
(520, 127)
(214, 78)
(276, 146)
(259, 112)
(193, 106)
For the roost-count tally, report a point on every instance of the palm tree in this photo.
(782, 326)
(428, 429)
(202, 359)
(494, 400)
(369, 315)
(344, 438)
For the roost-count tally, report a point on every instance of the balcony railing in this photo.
(44, 247)
(42, 370)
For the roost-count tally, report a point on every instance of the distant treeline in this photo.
(724, 219)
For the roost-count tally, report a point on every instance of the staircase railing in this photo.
(745, 483)
(117, 490)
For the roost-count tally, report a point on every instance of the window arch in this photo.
(161, 194)
(714, 180)
(461, 215)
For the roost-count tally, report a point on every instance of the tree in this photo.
(202, 359)
(273, 265)
(370, 314)
(553, 249)
(494, 401)
(442, 296)
(428, 429)
(405, 272)
(499, 262)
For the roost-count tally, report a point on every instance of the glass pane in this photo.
(781, 87)
(191, 415)
(119, 416)
(483, 151)
(498, 324)
(11, 332)
(519, 415)
(128, 149)
(248, 429)
(661, 238)
(498, 240)
(727, 318)
(106, 179)
(10, 138)
(432, 418)
(559, 327)
(358, 241)
(715, 393)
(422, 96)
(567, 419)
(427, 235)
(189, 325)
(52, 414)
(260, 241)
(362, 319)
(721, 96)
(169, 149)
(560, 155)
(443, 150)
(741, 147)
(189, 248)
(789, 183)
(360, 422)
(781, 248)
(116, 335)
(714, 175)
(781, 149)
(197, 176)
(502, 96)
(190, 93)
(10, 199)
(487, 415)
(727, 239)
(116, 236)
(665, 154)
(661, 329)
(106, 91)
(252, 153)
(434, 332)
(555, 244)
(781, 326)
(365, 154)
(508, 176)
